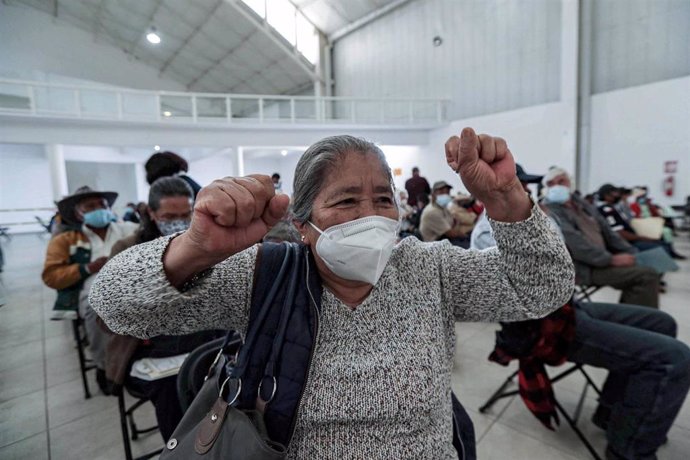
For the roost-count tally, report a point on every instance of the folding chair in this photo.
(85, 364)
(3, 232)
(45, 226)
(571, 419)
(584, 292)
(128, 425)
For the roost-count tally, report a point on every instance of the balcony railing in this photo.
(112, 103)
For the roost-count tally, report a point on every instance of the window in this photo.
(290, 23)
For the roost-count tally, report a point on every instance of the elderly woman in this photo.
(379, 377)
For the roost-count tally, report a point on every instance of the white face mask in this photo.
(358, 250)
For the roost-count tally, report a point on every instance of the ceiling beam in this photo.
(253, 74)
(98, 23)
(364, 20)
(267, 30)
(217, 62)
(194, 33)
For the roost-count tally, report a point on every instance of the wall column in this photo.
(58, 173)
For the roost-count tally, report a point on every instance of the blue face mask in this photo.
(558, 194)
(168, 227)
(100, 218)
(443, 200)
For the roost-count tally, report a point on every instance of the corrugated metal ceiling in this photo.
(207, 45)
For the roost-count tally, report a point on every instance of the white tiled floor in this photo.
(43, 413)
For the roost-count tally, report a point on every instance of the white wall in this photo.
(639, 41)
(635, 130)
(213, 167)
(538, 136)
(34, 46)
(25, 183)
(116, 177)
(276, 163)
(496, 55)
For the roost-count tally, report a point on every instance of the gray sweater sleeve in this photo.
(527, 276)
(134, 297)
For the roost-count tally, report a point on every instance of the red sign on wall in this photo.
(670, 167)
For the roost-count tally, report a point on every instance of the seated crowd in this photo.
(649, 370)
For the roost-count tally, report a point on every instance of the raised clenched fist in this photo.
(234, 213)
(230, 215)
(487, 169)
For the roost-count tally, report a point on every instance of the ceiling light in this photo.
(167, 113)
(156, 147)
(284, 152)
(153, 37)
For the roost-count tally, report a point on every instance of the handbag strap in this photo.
(279, 339)
(256, 326)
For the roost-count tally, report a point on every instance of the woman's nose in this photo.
(367, 208)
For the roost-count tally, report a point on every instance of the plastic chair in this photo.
(572, 420)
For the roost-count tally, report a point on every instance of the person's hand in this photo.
(230, 215)
(622, 260)
(96, 265)
(487, 169)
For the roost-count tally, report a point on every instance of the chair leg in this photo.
(500, 393)
(577, 431)
(580, 403)
(590, 381)
(123, 425)
(135, 431)
(82, 360)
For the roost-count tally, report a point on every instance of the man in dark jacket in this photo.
(601, 256)
(415, 186)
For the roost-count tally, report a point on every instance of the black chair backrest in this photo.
(195, 368)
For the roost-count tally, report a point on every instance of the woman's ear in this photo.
(302, 228)
(151, 214)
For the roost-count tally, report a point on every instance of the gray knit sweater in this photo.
(379, 385)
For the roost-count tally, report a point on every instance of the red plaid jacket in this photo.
(543, 341)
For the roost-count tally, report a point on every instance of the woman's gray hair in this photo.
(318, 161)
(166, 187)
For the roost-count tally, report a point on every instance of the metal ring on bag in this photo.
(239, 389)
(273, 393)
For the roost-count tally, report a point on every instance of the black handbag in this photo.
(213, 427)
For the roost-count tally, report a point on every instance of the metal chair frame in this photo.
(85, 364)
(572, 420)
(128, 425)
(584, 292)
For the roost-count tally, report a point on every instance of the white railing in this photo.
(112, 103)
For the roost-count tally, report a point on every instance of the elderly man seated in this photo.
(74, 256)
(437, 222)
(649, 370)
(601, 256)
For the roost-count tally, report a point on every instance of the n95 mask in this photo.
(358, 250)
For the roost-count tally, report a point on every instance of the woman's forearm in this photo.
(182, 260)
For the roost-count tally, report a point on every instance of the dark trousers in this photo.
(649, 371)
(163, 395)
(639, 285)
(645, 245)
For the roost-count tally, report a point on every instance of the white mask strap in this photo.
(315, 227)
